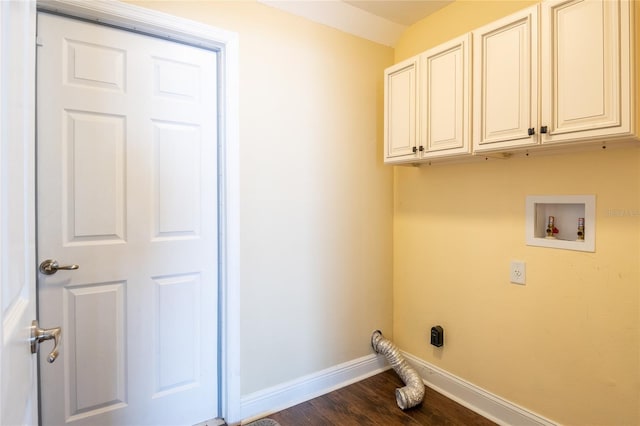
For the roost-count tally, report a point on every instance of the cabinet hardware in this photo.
(415, 149)
(543, 129)
(532, 131)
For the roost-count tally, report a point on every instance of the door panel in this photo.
(95, 158)
(127, 190)
(176, 184)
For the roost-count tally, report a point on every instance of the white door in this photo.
(505, 58)
(127, 190)
(18, 402)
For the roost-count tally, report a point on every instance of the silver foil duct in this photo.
(413, 393)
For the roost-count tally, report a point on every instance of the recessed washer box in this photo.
(567, 212)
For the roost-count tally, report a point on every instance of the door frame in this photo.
(225, 43)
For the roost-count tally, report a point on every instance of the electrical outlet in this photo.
(518, 272)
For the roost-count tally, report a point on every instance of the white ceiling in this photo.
(381, 21)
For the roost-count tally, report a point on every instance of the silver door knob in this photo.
(50, 267)
(40, 335)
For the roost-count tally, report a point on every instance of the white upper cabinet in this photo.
(505, 95)
(585, 76)
(400, 109)
(444, 99)
(559, 73)
(427, 104)
(586, 69)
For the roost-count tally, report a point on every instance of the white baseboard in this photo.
(280, 397)
(475, 398)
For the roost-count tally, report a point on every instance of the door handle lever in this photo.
(50, 267)
(39, 335)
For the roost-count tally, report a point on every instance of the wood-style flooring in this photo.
(373, 402)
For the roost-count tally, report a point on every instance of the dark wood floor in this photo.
(373, 402)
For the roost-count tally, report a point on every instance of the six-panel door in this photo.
(127, 189)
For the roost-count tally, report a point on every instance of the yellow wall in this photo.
(316, 200)
(566, 345)
(456, 19)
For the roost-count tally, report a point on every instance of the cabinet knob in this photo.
(543, 129)
(414, 149)
(532, 131)
(421, 148)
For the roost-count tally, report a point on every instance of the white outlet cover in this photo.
(518, 272)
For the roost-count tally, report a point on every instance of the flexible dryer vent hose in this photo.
(413, 393)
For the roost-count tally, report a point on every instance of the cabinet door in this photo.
(506, 82)
(400, 111)
(444, 98)
(585, 69)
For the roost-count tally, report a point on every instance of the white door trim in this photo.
(226, 44)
